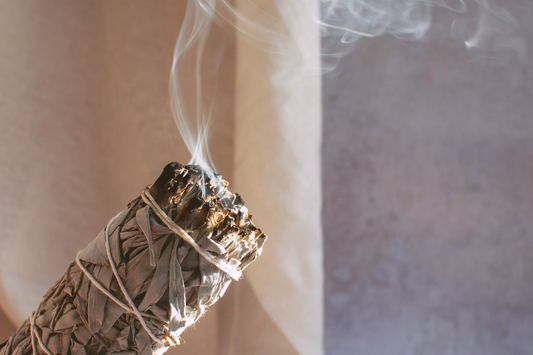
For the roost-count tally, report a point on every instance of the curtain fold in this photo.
(278, 132)
(85, 126)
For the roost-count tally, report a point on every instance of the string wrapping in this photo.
(153, 271)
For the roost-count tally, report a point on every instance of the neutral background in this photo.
(428, 199)
(85, 125)
(427, 175)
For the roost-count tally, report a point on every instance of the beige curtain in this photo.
(85, 125)
(277, 147)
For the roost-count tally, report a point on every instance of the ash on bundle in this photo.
(152, 272)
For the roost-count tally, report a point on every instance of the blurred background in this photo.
(426, 162)
(428, 200)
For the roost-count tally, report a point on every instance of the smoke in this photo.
(193, 82)
(194, 75)
(481, 25)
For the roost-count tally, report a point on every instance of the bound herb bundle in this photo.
(151, 273)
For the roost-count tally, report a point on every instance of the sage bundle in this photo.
(153, 271)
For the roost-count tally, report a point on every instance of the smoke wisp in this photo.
(481, 25)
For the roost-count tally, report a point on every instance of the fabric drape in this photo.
(278, 132)
(85, 126)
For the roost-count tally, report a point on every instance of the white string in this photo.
(31, 333)
(230, 271)
(122, 287)
(99, 286)
(35, 334)
(132, 309)
(33, 330)
(148, 199)
(106, 291)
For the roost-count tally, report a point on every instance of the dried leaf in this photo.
(174, 249)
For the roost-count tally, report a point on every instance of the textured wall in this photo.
(428, 201)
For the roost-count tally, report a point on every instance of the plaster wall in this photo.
(428, 200)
